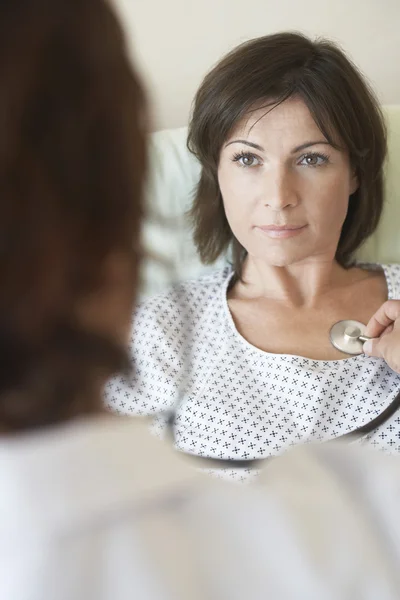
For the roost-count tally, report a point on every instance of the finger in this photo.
(373, 348)
(387, 330)
(384, 316)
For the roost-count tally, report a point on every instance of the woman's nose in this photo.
(280, 191)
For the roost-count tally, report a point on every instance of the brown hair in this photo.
(72, 160)
(271, 69)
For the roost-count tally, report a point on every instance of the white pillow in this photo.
(173, 176)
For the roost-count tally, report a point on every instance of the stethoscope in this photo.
(346, 336)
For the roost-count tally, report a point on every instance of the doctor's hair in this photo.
(266, 71)
(72, 164)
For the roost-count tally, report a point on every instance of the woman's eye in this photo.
(246, 160)
(314, 160)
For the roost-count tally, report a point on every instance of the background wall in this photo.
(175, 42)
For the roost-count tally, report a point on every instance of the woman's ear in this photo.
(354, 183)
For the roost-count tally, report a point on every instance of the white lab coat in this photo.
(100, 510)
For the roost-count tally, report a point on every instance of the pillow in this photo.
(170, 254)
(173, 176)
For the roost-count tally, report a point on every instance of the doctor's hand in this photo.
(384, 327)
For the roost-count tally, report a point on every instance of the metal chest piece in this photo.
(347, 336)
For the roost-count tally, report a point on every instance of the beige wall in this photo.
(175, 42)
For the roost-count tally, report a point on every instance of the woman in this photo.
(292, 144)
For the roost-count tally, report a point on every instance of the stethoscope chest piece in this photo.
(347, 336)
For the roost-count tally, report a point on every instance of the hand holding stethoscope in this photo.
(379, 338)
(384, 328)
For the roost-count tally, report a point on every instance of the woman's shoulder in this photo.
(187, 299)
(163, 327)
(392, 272)
(392, 276)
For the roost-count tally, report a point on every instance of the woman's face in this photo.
(285, 188)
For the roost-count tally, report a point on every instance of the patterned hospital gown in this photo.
(232, 400)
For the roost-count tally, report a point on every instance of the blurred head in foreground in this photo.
(72, 163)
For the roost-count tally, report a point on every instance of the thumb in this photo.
(372, 348)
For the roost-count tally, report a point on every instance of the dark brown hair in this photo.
(270, 70)
(72, 161)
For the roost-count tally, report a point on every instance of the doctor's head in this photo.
(72, 163)
(292, 143)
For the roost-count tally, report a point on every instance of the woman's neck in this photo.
(304, 284)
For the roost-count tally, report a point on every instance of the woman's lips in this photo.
(281, 231)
